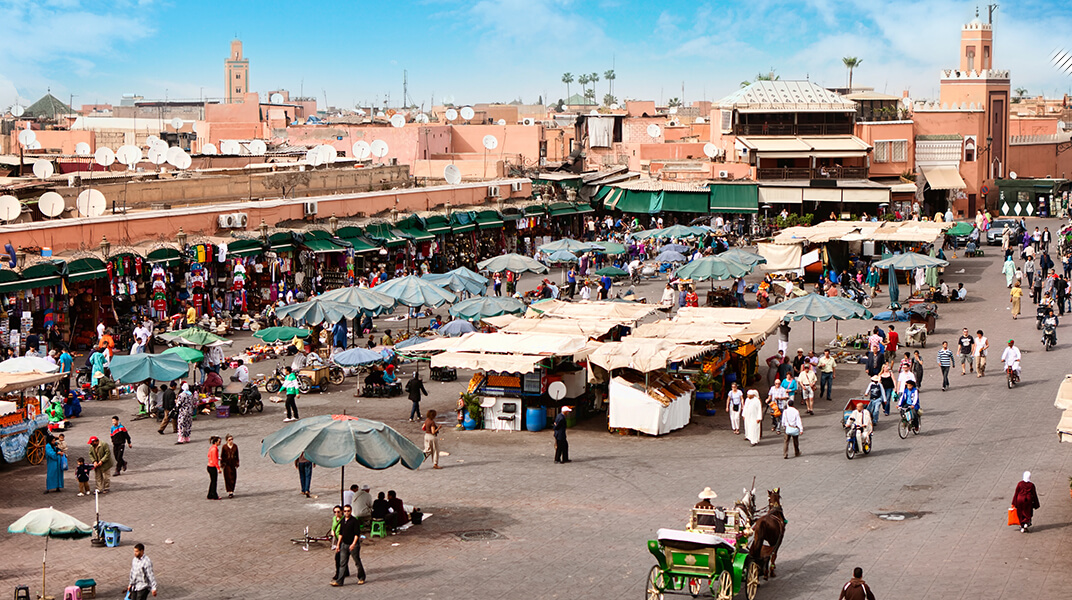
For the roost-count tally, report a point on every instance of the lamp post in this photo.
(180, 238)
(263, 228)
(20, 259)
(447, 206)
(333, 223)
(105, 246)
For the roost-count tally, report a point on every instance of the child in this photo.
(82, 474)
(61, 443)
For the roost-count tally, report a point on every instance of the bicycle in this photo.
(907, 425)
(307, 539)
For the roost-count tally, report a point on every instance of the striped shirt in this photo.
(141, 574)
(945, 357)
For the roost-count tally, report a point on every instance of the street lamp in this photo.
(105, 246)
(447, 206)
(20, 259)
(394, 215)
(263, 228)
(180, 238)
(333, 223)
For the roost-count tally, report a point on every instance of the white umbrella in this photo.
(26, 364)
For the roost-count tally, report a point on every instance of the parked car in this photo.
(997, 228)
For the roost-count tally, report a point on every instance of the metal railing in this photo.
(793, 129)
(807, 173)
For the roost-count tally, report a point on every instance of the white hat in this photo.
(707, 494)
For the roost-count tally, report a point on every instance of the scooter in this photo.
(1040, 315)
(1049, 332)
(274, 382)
(857, 440)
(250, 400)
(854, 292)
(1011, 377)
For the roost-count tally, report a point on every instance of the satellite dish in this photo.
(451, 114)
(128, 155)
(467, 113)
(152, 139)
(528, 121)
(710, 150)
(257, 147)
(448, 99)
(452, 174)
(50, 204)
(34, 145)
(330, 153)
(381, 114)
(421, 118)
(699, 121)
(184, 161)
(160, 145)
(176, 123)
(27, 137)
(362, 150)
(673, 110)
(501, 122)
(593, 112)
(556, 390)
(276, 98)
(18, 110)
(361, 112)
(10, 208)
(43, 169)
(906, 103)
(1062, 125)
(104, 156)
(90, 203)
(654, 130)
(314, 157)
(1012, 174)
(615, 106)
(490, 142)
(81, 149)
(230, 147)
(397, 120)
(209, 149)
(173, 153)
(156, 156)
(379, 148)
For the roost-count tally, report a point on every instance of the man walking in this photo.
(142, 579)
(891, 345)
(102, 464)
(349, 545)
(290, 384)
(981, 345)
(415, 388)
(170, 414)
(856, 588)
(966, 345)
(120, 437)
(793, 427)
(945, 361)
(827, 366)
(561, 444)
(431, 438)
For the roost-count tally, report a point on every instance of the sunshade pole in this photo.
(342, 479)
(813, 337)
(44, 559)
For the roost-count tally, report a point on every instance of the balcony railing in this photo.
(806, 173)
(793, 129)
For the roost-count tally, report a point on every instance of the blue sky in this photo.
(501, 50)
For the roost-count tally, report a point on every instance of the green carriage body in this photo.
(726, 567)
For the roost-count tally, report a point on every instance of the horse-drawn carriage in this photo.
(726, 548)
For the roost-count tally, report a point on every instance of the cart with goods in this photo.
(23, 425)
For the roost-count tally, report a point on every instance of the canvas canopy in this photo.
(502, 363)
(623, 313)
(644, 355)
(589, 328)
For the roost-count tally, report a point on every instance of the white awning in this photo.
(502, 363)
(865, 195)
(780, 195)
(803, 145)
(943, 178)
(822, 194)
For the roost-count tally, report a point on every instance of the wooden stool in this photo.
(89, 585)
(22, 592)
(379, 528)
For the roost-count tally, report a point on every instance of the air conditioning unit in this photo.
(226, 221)
(311, 208)
(493, 191)
(673, 123)
(240, 219)
(516, 186)
(723, 174)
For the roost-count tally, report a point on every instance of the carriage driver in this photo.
(706, 519)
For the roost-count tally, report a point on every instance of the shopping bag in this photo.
(1013, 519)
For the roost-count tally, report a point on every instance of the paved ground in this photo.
(580, 530)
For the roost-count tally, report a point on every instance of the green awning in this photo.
(534, 211)
(692, 202)
(733, 198)
(512, 216)
(462, 222)
(244, 248)
(362, 245)
(416, 234)
(382, 233)
(437, 225)
(583, 208)
(345, 233)
(632, 201)
(85, 269)
(611, 199)
(323, 246)
(559, 209)
(43, 274)
(168, 257)
(281, 241)
(489, 219)
(317, 234)
(8, 277)
(602, 193)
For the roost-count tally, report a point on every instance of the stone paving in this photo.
(580, 530)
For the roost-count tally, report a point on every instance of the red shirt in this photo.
(214, 457)
(891, 341)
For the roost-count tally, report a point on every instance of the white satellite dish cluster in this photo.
(321, 155)
(10, 208)
(490, 142)
(712, 151)
(452, 174)
(398, 120)
(362, 150)
(421, 118)
(90, 203)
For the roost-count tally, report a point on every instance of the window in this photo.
(969, 149)
(891, 151)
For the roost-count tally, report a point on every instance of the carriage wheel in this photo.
(751, 580)
(725, 586)
(655, 584)
(695, 586)
(35, 447)
(305, 384)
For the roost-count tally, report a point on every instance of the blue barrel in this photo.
(536, 418)
(469, 423)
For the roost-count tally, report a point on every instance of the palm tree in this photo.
(593, 78)
(609, 99)
(851, 62)
(567, 78)
(583, 80)
(673, 102)
(769, 76)
(1020, 93)
(609, 77)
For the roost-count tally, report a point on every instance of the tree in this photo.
(593, 78)
(590, 94)
(673, 102)
(608, 100)
(567, 78)
(851, 62)
(609, 77)
(1020, 93)
(286, 181)
(769, 76)
(583, 80)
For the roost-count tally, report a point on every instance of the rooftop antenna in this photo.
(990, 8)
(405, 88)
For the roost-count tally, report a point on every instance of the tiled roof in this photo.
(785, 95)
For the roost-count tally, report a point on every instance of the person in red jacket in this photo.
(891, 345)
(856, 588)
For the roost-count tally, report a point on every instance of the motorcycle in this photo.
(1011, 377)
(274, 382)
(857, 440)
(854, 292)
(1049, 332)
(910, 421)
(1041, 313)
(249, 400)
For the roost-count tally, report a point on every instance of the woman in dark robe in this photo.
(229, 463)
(1025, 501)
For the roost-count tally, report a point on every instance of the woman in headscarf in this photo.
(1025, 501)
(96, 366)
(53, 467)
(753, 417)
(1009, 269)
(185, 405)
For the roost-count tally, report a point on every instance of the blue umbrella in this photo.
(488, 306)
(355, 357)
(139, 367)
(469, 274)
(368, 301)
(561, 256)
(336, 440)
(675, 248)
(567, 245)
(456, 283)
(456, 328)
(410, 341)
(415, 292)
(670, 256)
(318, 310)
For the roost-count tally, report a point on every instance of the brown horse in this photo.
(769, 528)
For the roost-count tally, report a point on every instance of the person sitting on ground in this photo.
(371, 342)
(387, 340)
(397, 516)
(105, 385)
(960, 293)
(942, 295)
(212, 381)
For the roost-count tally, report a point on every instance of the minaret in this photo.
(237, 75)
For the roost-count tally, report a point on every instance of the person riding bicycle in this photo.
(910, 400)
(1010, 357)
